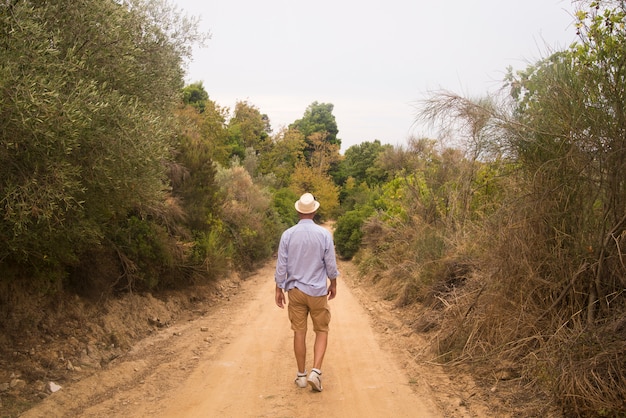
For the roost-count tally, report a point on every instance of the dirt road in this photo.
(237, 361)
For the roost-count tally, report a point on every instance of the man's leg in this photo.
(320, 314)
(299, 348)
(319, 349)
(298, 315)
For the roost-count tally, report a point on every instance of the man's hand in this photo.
(280, 298)
(332, 289)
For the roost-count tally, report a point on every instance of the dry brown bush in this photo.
(514, 313)
(526, 311)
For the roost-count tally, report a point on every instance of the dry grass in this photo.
(516, 319)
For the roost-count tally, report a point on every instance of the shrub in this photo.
(348, 233)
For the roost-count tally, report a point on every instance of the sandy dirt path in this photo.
(237, 361)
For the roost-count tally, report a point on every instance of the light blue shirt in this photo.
(306, 259)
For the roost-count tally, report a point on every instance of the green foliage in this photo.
(280, 155)
(213, 132)
(360, 163)
(348, 233)
(353, 195)
(86, 126)
(248, 128)
(143, 246)
(283, 201)
(318, 120)
(195, 95)
(321, 155)
(324, 155)
(394, 201)
(247, 218)
(306, 179)
(213, 252)
(418, 221)
(193, 175)
(318, 117)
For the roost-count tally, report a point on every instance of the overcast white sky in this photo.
(372, 59)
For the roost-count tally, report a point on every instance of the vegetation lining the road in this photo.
(117, 178)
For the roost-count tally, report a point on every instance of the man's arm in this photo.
(281, 272)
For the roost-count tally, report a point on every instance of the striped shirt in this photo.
(306, 258)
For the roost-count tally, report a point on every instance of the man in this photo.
(306, 259)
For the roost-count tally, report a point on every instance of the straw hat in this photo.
(307, 204)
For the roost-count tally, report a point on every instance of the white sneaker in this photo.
(315, 381)
(301, 380)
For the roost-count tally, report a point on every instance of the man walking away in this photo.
(306, 260)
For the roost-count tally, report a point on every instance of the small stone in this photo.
(204, 329)
(4, 387)
(53, 387)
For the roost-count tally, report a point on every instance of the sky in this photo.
(374, 60)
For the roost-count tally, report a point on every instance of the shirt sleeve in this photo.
(330, 259)
(280, 276)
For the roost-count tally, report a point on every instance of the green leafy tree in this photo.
(353, 194)
(86, 109)
(193, 173)
(360, 163)
(283, 201)
(214, 130)
(307, 179)
(280, 155)
(318, 119)
(349, 232)
(195, 95)
(248, 128)
(324, 155)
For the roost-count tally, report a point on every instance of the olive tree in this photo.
(87, 92)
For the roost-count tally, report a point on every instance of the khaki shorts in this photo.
(301, 304)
